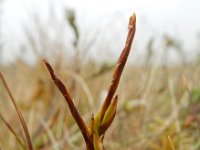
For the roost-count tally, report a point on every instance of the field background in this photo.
(159, 92)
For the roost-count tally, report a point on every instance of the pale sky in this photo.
(178, 18)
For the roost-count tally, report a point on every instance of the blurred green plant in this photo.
(196, 94)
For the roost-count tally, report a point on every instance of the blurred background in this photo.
(159, 93)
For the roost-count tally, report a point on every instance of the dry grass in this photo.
(19, 114)
(127, 131)
(158, 108)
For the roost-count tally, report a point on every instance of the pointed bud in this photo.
(97, 123)
(109, 116)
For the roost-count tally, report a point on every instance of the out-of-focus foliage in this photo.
(154, 102)
(196, 94)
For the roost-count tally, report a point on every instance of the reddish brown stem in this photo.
(120, 65)
(80, 122)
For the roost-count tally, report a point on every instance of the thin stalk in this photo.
(120, 65)
(12, 131)
(19, 114)
(80, 122)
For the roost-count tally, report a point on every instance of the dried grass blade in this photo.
(50, 134)
(21, 118)
(12, 131)
(171, 143)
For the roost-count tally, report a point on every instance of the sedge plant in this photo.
(94, 132)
